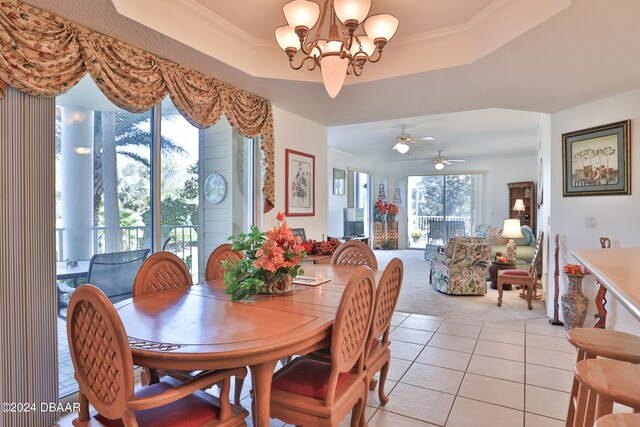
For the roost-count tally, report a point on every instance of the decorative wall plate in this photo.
(215, 188)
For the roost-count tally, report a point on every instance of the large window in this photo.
(443, 206)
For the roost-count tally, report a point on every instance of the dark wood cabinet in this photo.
(527, 192)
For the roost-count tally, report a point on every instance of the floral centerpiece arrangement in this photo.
(392, 211)
(322, 247)
(575, 270)
(380, 210)
(271, 261)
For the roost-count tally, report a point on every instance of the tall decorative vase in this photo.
(574, 303)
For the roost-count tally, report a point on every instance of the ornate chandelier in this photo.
(342, 52)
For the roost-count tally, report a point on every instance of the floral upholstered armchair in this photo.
(462, 268)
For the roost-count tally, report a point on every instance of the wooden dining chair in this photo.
(165, 271)
(159, 272)
(378, 354)
(214, 269)
(527, 279)
(103, 367)
(354, 252)
(312, 392)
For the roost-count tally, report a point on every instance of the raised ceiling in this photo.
(586, 51)
(433, 34)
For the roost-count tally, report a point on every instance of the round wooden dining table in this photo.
(200, 328)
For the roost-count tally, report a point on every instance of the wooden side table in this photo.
(493, 273)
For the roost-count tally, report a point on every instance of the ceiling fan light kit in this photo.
(342, 51)
(401, 142)
(440, 161)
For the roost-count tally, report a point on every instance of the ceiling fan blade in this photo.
(446, 162)
(425, 138)
(457, 160)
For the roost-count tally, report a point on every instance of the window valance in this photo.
(45, 55)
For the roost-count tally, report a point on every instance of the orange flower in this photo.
(575, 270)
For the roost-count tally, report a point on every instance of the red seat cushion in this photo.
(193, 410)
(515, 273)
(307, 377)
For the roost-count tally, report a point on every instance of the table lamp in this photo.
(511, 230)
(518, 207)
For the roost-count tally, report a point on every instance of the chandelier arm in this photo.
(379, 52)
(302, 62)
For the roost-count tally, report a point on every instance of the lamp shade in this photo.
(401, 147)
(301, 13)
(518, 205)
(286, 37)
(439, 166)
(511, 229)
(381, 26)
(356, 10)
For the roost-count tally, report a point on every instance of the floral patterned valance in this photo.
(45, 55)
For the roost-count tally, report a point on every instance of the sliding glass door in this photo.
(443, 206)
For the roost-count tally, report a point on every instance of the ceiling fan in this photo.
(402, 141)
(440, 161)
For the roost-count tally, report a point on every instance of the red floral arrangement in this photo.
(382, 207)
(268, 257)
(393, 209)
(323, 247)
(575, 270)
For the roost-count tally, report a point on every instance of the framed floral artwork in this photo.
(597, 161)
(300, 177)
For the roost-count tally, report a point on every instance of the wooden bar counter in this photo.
(617, 270)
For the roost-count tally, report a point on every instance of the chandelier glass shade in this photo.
(341, 51)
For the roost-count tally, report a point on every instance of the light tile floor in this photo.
(462, 361)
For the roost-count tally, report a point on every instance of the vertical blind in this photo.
(28, 342)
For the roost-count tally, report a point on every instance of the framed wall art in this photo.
(597, 161)
(300, 177)
(339, 181)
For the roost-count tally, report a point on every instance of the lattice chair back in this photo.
(387, 294)
(100, 352)
(351, 327)
(223, 252)
(354, 252)
(161, 271)
(113, 273)
(533, 272)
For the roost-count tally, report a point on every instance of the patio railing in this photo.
(179, 239)
(421, 224)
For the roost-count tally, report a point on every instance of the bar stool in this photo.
(603, 382)
(618, 420)
(592, 343)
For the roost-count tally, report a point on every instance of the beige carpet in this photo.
(417, 295)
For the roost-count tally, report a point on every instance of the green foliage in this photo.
(242, 279)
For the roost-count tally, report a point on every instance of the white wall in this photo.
(216, 224)
(499, 172)
(616, 216)
(300, 134)
(341, 160)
